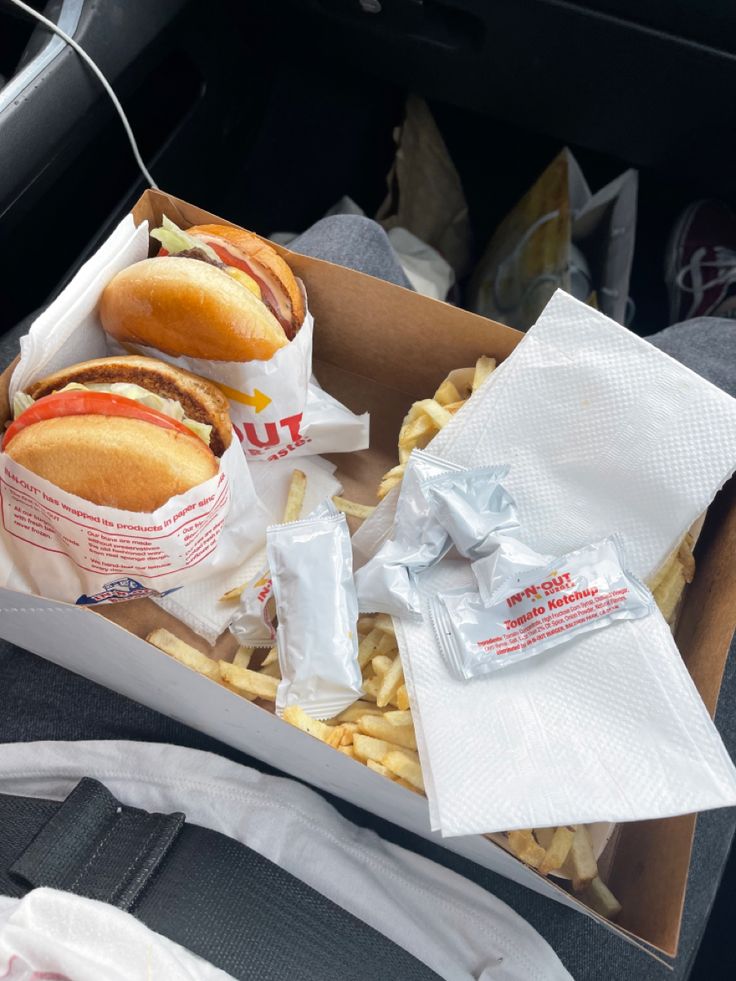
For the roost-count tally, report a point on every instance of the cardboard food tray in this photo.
(379, 347)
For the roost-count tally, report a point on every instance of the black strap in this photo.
(204, 890)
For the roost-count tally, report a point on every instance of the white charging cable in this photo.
(103, 81)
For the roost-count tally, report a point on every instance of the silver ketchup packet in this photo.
(311, 563)
(387, 582)
(252, 624)
(535, 611)
(473, 507)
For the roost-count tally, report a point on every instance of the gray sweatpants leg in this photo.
(705, 344)
(353, 241)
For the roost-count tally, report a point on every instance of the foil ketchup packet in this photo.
(536, 611)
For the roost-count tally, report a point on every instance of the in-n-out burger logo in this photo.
(267, 434)
(264, 593)
(555, 584)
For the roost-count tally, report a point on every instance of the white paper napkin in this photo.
(608, 727)
(68, 330)
(602, 434)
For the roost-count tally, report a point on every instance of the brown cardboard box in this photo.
(379, 347)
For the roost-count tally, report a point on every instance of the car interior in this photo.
(268, 113)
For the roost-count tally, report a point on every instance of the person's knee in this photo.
(354, 241)
(349, 231)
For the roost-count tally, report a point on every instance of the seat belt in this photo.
(209, 893)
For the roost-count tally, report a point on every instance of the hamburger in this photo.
(123, 432)
(213, 292)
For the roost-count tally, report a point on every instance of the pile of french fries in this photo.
(425, 418)
(378, 732)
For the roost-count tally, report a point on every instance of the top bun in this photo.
(185, 307)
(112, 461)
(282, 293)
(200, 399)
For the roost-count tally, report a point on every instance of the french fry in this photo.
(370, 689)
(367, 649)
(483, 368)
(385, 623)
(270, 658)
(685, 556)
(408, 786)
(390, 683)
(352, 508)
(402, 698)
(251, 682)
(356, 711)
(295, 496)
(272, 670)
(347, 750)
(544, 836)
(243, 656)
(297, 717)
(233, 594)
(446, 393)
(377, 726)
(580, 864)
(368, 748)
(558, 850)
(349, 730)
(524, 846)
(380, 664)
(399, 718)
(365, 625)
(391, 478)
(184, 653)
(600, 898)
(404, 764)
(387, 644)
(436, 412)
(379, 768)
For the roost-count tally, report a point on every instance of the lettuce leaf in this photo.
(175, 240)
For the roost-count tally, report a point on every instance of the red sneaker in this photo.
(700, 267)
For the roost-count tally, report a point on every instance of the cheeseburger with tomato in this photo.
(124, 432)
(214, 292)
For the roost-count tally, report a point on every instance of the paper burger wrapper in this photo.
(278, 410)
(62, 547)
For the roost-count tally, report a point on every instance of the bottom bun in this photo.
(114, 462)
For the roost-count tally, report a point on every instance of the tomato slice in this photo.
(80, 403)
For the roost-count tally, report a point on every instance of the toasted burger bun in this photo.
(116, 462)
(201, 399)
(279, 288)
(182, 306)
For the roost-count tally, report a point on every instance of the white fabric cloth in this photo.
(458, 929)
(56, 935)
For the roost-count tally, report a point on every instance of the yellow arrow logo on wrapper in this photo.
(258, 400)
